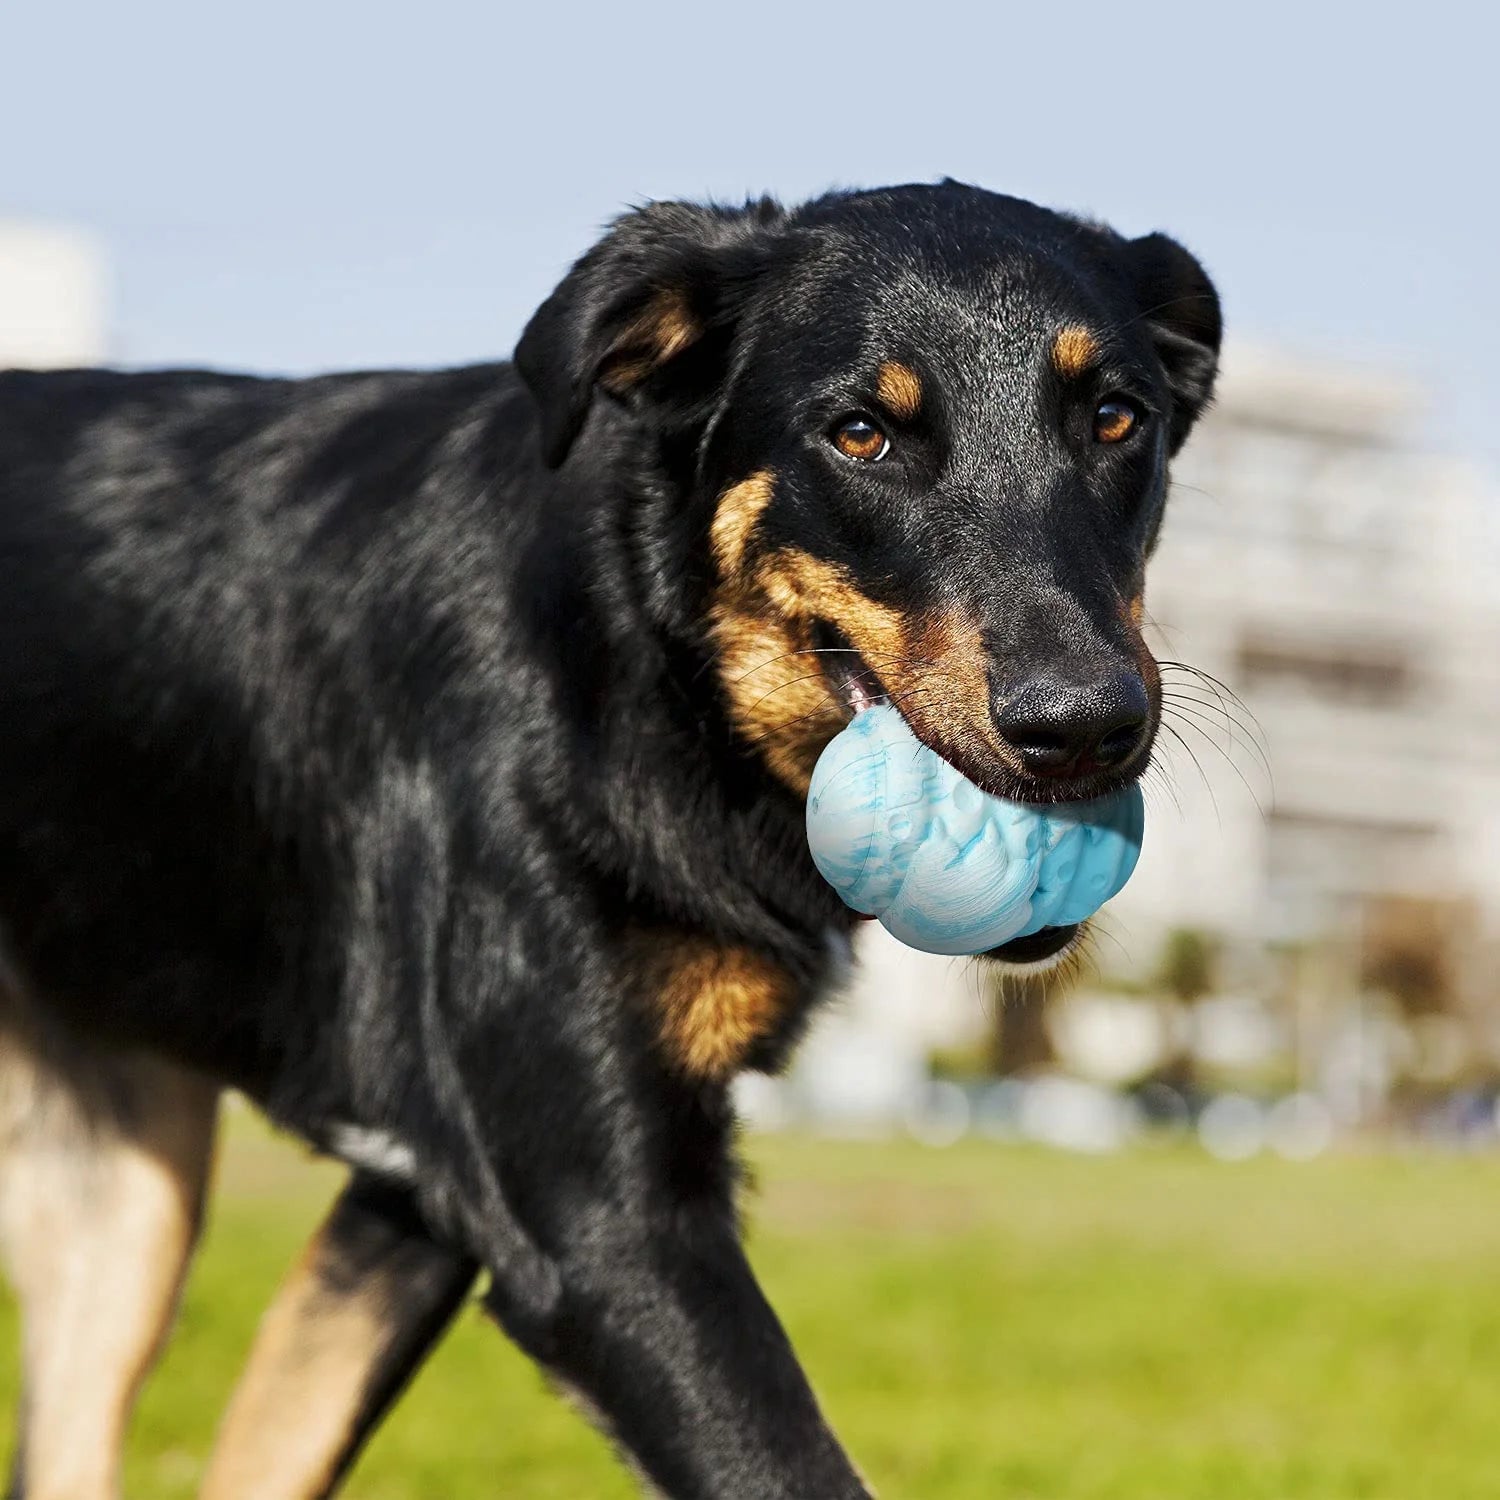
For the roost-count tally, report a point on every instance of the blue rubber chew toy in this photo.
(904, 837)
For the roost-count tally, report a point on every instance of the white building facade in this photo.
(52, 297)
(1346, 586)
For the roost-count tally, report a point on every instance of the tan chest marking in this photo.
(715, 1001)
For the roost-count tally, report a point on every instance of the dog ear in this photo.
(1179, 305)
(646, 316)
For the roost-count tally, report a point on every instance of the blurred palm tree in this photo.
(1020, 1043)
(1188, 967)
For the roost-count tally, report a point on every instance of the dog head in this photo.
(918, 441)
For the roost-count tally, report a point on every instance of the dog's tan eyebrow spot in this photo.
(735, 517)
(899, 388)
(1074, 351)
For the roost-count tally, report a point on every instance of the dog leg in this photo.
(651, 1312)
(103, 1164)
(356, 1316)
(683, 1364)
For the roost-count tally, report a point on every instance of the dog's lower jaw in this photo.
(1038, 952)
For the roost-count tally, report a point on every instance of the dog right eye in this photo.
(858, 437)
(1115, 420)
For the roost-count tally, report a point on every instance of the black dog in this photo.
(424, 755)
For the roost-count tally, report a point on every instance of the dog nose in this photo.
(1059, 727)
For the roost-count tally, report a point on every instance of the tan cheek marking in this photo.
(935, 667)
(1074, 351)
(954, 647)
(807, 587)
(950, 709)
(899, 388)
(1138, 610)
(778, 698)
(663, 330)
(715, 1002)
(739, 510)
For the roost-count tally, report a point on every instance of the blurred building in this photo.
(1344, 586)
(52, 297)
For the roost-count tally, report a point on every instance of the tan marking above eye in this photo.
(1074, 351)
(1114, 421)
(859, 437)
(899, 389)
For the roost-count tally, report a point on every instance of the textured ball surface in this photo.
(904, 837)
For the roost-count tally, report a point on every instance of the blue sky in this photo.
(298, 187)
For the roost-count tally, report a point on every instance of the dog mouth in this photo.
(856, 686)
(1037, 950)
(854, 682)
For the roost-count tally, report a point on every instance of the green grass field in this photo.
(985, 1322)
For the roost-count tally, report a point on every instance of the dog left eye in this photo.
(858, 437)
(1115, 420)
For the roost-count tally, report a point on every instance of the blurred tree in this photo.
(1020, 1041)
(1186, 970)
(1188, 967)
(1409, 950)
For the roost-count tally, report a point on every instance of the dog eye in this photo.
(1115, 420)
(858, 437)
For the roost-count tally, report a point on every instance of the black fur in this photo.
(355, 727)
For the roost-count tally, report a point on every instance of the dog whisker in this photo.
(1157, 776)
(771, 661)
(781, 687)
(1197, 766)
(1232, 717)
(898, 700)
(1198, 709)
(1217, 684)
(1224, 755)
